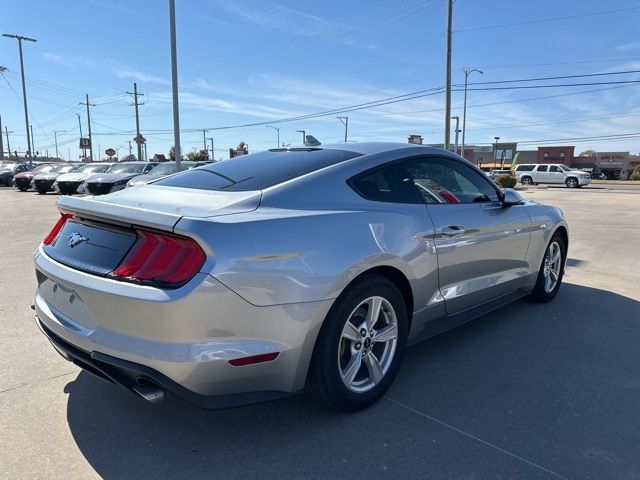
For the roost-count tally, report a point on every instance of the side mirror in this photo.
(511, 197)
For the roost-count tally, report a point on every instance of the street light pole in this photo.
(204, 140)
(457, 119)
(345, 122)
(304, 135)
(495, 149)
(33, 140)
(277, 129)
(467, 72)
(55, 136)
(80, 126)
(213, 155)
(20, 38)
(89, 126)
(174, 82)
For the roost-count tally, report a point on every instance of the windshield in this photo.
(93, 168)
(565, 168)
(44, 168)
(64, 169)
(127, 168)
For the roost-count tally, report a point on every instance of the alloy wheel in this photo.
(368, 344)
(551, 267)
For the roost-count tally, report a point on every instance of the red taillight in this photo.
(161, 258)
(263, 357)
(49, 239)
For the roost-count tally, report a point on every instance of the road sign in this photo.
(85, 143)
(110, 152)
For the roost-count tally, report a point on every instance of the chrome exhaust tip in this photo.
(151, 393)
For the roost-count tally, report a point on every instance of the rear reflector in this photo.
(53, 234)
(161, 259)
(263, 357)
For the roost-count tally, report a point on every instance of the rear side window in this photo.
(524, 168)
(541, 168)
(258, 170)
(392, 183)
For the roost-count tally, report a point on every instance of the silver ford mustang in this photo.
(288, 270)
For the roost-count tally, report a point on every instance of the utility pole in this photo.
(129, 147)
(135, 104)
(345, 122)
(213, 157)
(304, 135)
(89, 125)
(447, 113)
(1, 142)
(174, 82)
(7, 132)
(495, 150)
(457, 131)
(204, 140)
(24, 88)
(68, 154)
(55, 136)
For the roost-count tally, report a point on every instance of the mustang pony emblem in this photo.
(76, 239)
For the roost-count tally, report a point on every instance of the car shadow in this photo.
(555, 383)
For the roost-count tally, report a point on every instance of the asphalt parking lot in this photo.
(528, 391)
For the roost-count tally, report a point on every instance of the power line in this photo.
(544, 20)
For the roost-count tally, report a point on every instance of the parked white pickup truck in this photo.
(535, 173)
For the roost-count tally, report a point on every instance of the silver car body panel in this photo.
(276, 261)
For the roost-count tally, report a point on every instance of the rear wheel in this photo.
(42, 192)
(22, 189)
(526, 181)
(551, 271)
(360, 346)
(571, 182)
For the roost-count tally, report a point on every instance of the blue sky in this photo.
(251, 61)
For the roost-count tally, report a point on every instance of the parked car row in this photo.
(86, 178)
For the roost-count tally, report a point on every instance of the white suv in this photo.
(534, 173)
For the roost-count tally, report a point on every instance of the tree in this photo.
(588, 153)
(172, 154)
(199, 156)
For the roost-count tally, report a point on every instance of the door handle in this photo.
(453, 230)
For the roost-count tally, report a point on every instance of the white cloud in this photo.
(628, 47)
(141, 76)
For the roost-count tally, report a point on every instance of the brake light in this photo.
(161, 258)
(53, 234)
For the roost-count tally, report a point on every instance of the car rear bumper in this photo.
(180, 340)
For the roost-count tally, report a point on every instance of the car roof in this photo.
(369, 148)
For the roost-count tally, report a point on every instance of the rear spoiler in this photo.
(88, 207)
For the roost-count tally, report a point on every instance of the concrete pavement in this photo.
(528, 391)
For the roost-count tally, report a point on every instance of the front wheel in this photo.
(42, 192)
(22, 189)
(571, 182)
(551, 271)
(360, 346)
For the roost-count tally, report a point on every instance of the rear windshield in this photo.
(257, 171)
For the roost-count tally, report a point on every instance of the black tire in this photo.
(22, 189)
(526, 180)
(539, 293)
(42, 192)
(324, 381)
(572, 182)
